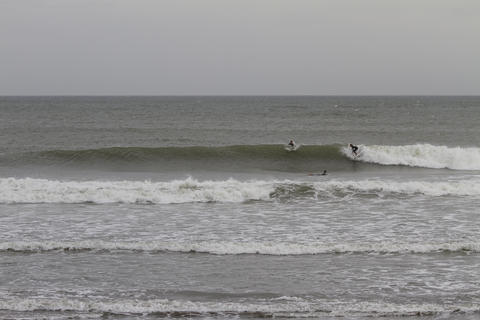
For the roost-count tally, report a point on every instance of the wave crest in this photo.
(308, 158)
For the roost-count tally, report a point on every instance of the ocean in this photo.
(192, 207)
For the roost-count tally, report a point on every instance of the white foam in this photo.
(421, 155)
(29, 190)
(177, 191)
(442, 188)
(250, 247)
(411, 309)
(285, 308)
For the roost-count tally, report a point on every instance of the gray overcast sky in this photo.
(239, 47)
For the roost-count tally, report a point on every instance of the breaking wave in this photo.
(238, 247)
(285, 307)
(307, 158)
(28, 190)
(421, 155)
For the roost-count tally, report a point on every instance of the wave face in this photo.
(190, 190)
(307, 158)
(421, 155)
(238, 247)
(240, 157)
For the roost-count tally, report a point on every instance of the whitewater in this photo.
(421, 155)
(284, 307)
(191, 190)
(235, 248)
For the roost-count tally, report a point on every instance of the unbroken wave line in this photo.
(237, 248)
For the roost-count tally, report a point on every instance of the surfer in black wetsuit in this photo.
(319, 174)
(354, 149)
(291, 144)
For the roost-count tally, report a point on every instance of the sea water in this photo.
(152, 207)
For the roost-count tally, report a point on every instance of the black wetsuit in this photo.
(354, 149)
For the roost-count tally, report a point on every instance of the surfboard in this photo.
(357, 155)
(292, 148)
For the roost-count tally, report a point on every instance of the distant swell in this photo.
(13, 190)
(238, 247)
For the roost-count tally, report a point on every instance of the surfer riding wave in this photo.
(354, 149)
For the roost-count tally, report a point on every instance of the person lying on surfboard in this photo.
(319, 174)
(354, 149)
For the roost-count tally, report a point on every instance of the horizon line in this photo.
(240, 95)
